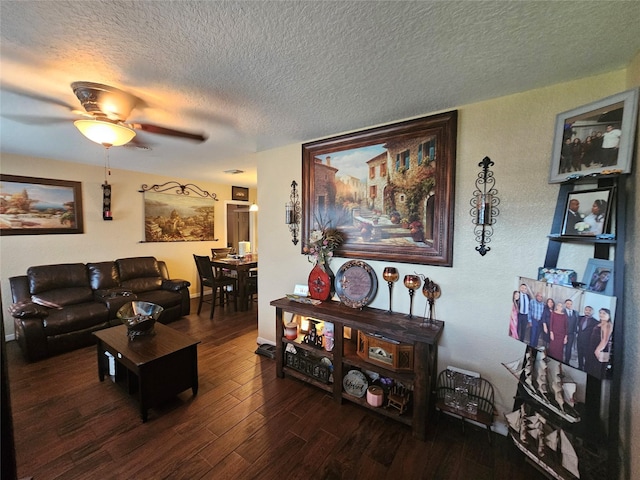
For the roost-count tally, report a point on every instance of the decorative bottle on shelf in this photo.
(321, 282)
(321, 245)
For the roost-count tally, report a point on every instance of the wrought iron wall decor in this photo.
(293, 213)
(484, 206)
(180, 189)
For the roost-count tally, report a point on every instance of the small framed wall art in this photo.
(240, 193)
(598, 276)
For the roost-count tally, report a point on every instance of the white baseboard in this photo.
(262, 341)
(10, 337)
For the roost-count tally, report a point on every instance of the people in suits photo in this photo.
(572, 217)
(523, 311)
(572, 329)
(585, 328)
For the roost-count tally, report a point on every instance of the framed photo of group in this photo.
(574, 326)
(595, 139)
(389, 190)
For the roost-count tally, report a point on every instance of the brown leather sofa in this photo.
(57, 307)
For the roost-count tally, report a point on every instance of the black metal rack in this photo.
(601, 395)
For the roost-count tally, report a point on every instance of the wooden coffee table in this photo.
(156, 367)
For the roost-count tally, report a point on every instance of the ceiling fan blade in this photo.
(146, 127)
(35, 96)
(35, 120)
(137, 143)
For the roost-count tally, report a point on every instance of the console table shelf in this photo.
(394, 326)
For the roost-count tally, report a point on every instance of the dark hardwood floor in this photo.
(243, 424)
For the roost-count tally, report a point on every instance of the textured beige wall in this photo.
(516, 132)
(102, 240)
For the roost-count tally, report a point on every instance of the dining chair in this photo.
(223, 253)
(252, 283)
(216, 284)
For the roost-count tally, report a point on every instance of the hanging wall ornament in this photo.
(107, 213)
(106, 202)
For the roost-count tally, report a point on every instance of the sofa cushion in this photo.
(103, 275)
(61, 297)
(146, 284)
(75, 317)
(139, 274)
(137, 267)
(49, 277)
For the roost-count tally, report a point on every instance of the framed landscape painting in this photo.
(38, 206)
(595, 139)
(390, 190)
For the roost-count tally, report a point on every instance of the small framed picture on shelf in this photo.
(587, 212)
(557, 276)
(595, 139)
(598, 276)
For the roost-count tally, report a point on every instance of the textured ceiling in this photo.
(256, 75)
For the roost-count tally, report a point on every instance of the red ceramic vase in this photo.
(321, 282)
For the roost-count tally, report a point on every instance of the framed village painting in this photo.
(390, 190)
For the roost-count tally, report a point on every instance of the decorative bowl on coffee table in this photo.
(139, 317)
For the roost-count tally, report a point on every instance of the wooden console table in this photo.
(394, 326)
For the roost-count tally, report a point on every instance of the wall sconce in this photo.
(292, 213)
(484, 206)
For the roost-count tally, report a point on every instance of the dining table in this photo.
(242, 266)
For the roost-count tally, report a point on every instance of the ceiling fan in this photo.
(106, 110)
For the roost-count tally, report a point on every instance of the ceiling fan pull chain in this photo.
(107, 165)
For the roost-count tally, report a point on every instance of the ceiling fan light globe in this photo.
(102, 132)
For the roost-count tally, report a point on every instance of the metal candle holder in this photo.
(293, 213)
(412, 282)
(484, 206)
(390, 274)
(432, 291)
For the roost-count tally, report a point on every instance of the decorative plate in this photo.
(356, 284)
(355, 383)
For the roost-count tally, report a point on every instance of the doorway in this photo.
(241, 225)
(237, 224)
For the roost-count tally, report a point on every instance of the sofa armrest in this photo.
(175, 285)
(182, 287)
(31, 339)
(28, 310)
